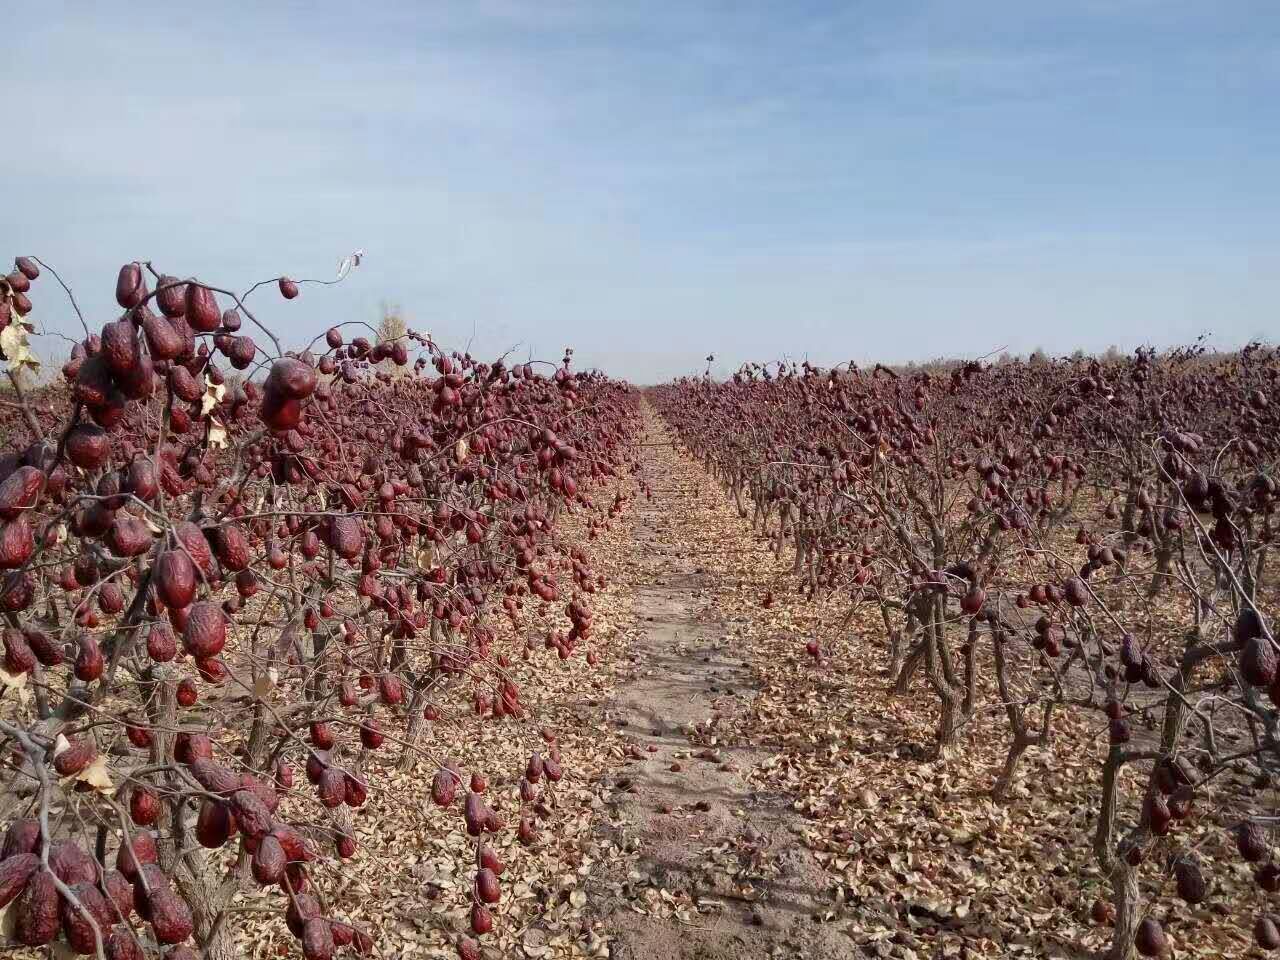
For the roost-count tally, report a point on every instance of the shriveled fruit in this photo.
(169, 915)
(131, 289)
(321, 734)
(346, 536)
(144, 806)
(76, 921)
(119, 892)
(1158, 816)
(17, 590)
(444, 787)
(18, 656)
(193, 541)
(185, 387)
(206, 631)
(251, 813)
(120, 347)
(214, 824)
(1251, 841)
(973, 600)
(78, 755)
(390, 689)
(23, 836)
(36, 911)
(87, 446)
(70, 862)
(1258, 662)
(317, 939)
(269, 861)
(490, 860)
(1191, 883)
(487, 887)
(171, 296)
(110, 602)
(295, 848)
(20, 491)
(15, 871)
(292, 378)
(214, 777)
(332, 788)
(1267, 877)
(354, 791)
(202, 313)
(1118, 731)
(1150, 939)
(474, 813)
(527, 832)
(89, 659)
(1248, 625)
(128, 536)
(187, 693)
(162, 646)
(17, 543)
(163, 339)
(371, 736)
(1130, 651)
(175, 578)
(302, 908)
(231, 545)
(1265, 933)
(123, 945)
(47, 650)
(138, 852)
(149, 879)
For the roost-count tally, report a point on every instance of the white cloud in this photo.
(653, 182)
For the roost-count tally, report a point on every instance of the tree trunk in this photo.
(949, 724)
(784, 523)
(801, 542)
(902, 681)
(1023, 738)
(943, 679)
(215, 937)
(971, 670)
(1161, 576)
(1005, 780)
(895, 652)
(1128, 901)
(1104, 835)
(417, 721)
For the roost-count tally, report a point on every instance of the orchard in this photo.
(231, 573)
(247, 583)
(1063, 544)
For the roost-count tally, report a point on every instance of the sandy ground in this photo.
(724, 857)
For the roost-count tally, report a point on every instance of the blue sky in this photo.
(653, 182)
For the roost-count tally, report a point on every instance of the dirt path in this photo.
(711, 868)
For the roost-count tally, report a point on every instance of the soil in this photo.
(716, 867)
